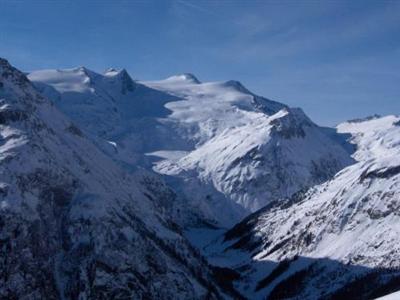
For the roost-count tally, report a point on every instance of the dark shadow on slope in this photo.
(300, 277)
(142, 102)
(380, 173)
(342, 139)
(281, 268)
(147, 102)
(330, 279)
(316, 279)
(128, 119)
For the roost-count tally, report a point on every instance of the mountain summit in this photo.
(115, 188)
(74, 224)
(216, 143)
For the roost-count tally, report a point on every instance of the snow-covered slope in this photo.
(73, 224)
(338, 240)
(218, 145)
(111, 106)
(392, 296)
(249, 148)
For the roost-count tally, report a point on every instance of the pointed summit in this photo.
(16, 88)
(9, 73)
(3, 62)
(127, 83)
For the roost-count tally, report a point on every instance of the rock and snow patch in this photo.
(348, 225)
(216, 143)
(329, 225)
(73, 223)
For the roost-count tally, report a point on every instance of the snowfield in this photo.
(217, 144)
(182, 189)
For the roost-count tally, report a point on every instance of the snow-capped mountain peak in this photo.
(95, 203)
(243, 147)
(76, 80)
(74, 224)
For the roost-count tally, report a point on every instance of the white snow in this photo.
(225, 151)
(39, 152)
(66, 80)
(393, 296)
(352, 219)
(214, 140)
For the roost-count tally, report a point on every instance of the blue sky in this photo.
(335, 59)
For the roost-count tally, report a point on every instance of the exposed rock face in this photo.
(73, 224)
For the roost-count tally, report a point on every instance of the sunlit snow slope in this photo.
(338, 239)
(220, 146)
(73, 224)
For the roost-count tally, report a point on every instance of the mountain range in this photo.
(114, 188)
(217, 144)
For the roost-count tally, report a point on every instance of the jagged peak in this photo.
(4, 62)
(121, 73)
(11, 74)
(7, 69)
(122, 76)
(124, 73)
(19, 92)
(291, 122)
(295, 114)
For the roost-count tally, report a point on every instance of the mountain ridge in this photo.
(73, 224)
(185, 189)
(198, 118)
(352, 219)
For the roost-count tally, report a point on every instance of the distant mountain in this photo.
(219, 146)
(338, 240)
(112, 188)
(74, 224)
